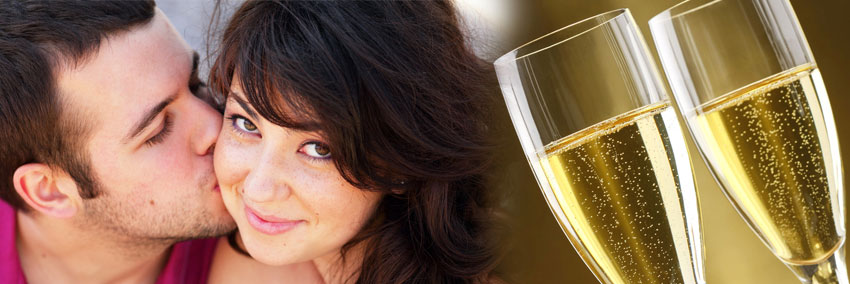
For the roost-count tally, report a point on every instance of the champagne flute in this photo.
(748, 86)
(607, 150)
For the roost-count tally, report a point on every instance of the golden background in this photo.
(537, 251)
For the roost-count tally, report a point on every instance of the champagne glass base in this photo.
(831, 270)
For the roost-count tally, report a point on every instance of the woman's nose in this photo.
(266, 183)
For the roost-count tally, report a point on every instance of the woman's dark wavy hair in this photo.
(401, 101)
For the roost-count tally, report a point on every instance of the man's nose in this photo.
(206, 128)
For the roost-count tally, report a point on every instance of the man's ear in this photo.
(51, 192)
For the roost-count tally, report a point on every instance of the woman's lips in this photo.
(270, 225)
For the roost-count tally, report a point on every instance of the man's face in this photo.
(151, 139)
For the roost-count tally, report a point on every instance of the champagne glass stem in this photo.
(833, 270)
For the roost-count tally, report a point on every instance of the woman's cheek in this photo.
(229, 160)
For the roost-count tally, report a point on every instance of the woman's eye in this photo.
(316, 150)
(244, 124)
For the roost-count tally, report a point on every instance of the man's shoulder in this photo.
(10, 266)
(6, 210)
(197, 248)
(189, 262)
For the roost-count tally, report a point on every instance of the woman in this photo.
(352, 149)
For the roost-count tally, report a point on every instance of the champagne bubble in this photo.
(765, 145)
(609, 181)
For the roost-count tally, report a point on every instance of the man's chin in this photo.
(221, 228)
(205, 226)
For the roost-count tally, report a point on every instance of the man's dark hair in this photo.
(38, 38)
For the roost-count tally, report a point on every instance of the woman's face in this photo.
(283, 189)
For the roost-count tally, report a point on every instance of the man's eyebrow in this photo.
(242, 103)
(149, 117)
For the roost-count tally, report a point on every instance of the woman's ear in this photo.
(400, 188)
(51, 192)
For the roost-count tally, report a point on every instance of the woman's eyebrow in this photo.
(237, 97)
(303, 126)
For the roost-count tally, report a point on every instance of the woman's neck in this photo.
(338, 270)
(231, 266)
(332, 267)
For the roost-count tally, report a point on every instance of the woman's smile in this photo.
(269, 224)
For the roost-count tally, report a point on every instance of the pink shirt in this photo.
(188, 263)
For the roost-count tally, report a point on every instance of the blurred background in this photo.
(534, 247)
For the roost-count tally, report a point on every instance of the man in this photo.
(105, 149)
